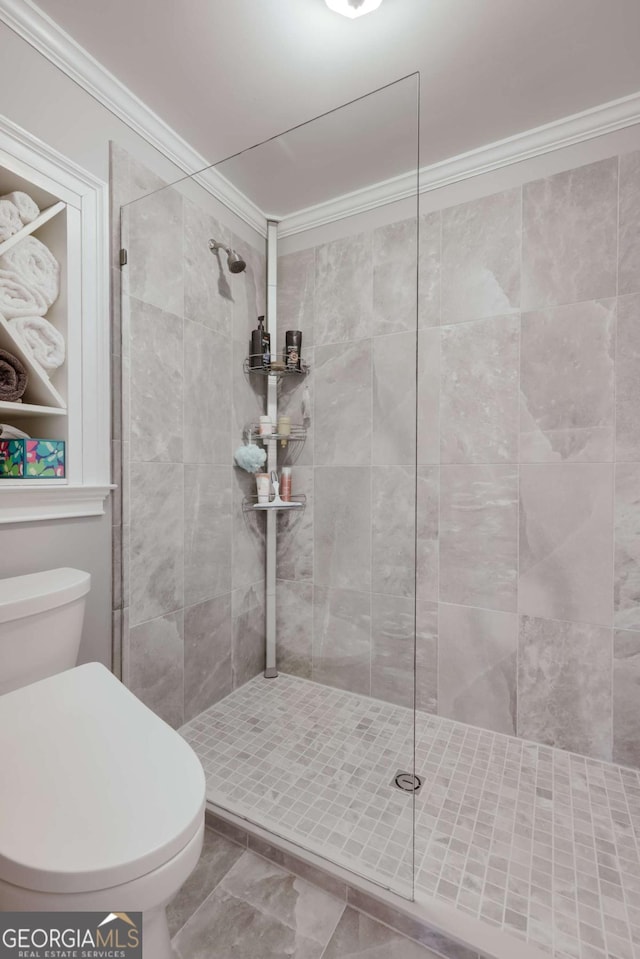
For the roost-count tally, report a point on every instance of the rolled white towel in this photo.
(33, 263)
(41, 338)
(17, 299)
(27, 208)
(10, 221)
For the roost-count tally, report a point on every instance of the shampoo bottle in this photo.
(260, 346)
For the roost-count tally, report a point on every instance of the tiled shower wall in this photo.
(192, 598)
(528, 462)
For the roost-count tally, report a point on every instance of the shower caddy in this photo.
(296, 437)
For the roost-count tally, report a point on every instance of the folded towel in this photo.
(13, 378)
(41, 339)
(27, 208)
(10, 221)
(32, 263)
(12, 433)
(16, 299)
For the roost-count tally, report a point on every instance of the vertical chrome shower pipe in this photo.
(271, 670)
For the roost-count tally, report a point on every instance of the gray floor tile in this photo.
(260, 910)
(359, 936)
(218, 856)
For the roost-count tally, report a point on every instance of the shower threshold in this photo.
(511, 837)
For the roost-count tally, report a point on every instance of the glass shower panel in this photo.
(322, 754)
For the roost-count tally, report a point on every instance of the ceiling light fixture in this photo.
(353, 8)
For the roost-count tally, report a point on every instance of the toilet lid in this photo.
(95, 790)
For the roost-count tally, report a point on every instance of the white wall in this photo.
(46, 103)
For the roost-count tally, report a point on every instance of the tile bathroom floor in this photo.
(535, 841)
(237, 905)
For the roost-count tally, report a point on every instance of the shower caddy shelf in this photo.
(298, 435)
(268, 371)
(250, 505)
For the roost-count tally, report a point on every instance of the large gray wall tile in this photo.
(156, 262)
(249, 531)
(207, 654)
(296, 295)
(564, 685)
(208, 294)
(570, 236)
(629, 224)
(295, 531)
(481, 258)
(395, 389)
(342, 404)
(207, 532)
(156, 671)
(477, 652)
(207, 395)
(567, 383)
(395, 278)
(296, 400)
(429, 376)
(478, 536)
(566, 542)
(393, 649)
(342, 523)
(342, 639)
(156, 384)
(479, 391)
(294, 627)
(344, 290)
(157, 540)
(393, 530)
(626, 706)
(248, 646)
(429, 269)
(628, 379)
(627, 546)
(427, 656)
(428, 523)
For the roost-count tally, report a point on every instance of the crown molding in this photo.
(595, 122)
(38, 29)
(44, 34)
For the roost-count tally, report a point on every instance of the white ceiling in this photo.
(226, 74)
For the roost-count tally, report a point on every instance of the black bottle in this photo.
(293, 345)
(260, 347)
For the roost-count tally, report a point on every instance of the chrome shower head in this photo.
(234, 261)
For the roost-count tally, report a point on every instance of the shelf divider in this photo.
(40, 390)
(30, 228)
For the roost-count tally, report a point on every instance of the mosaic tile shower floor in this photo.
(527, 838)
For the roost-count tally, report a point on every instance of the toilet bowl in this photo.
(102, 803)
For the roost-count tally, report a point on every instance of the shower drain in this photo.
(407, 782)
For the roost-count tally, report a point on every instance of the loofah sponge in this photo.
(250, 458)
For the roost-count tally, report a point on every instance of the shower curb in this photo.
(477, 939)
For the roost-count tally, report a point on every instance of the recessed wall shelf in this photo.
(40, 390)
(250, 505)
(30, 228)
(70, 403)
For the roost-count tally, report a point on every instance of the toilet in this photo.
(101, 803)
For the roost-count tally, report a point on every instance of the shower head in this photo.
(234, 261)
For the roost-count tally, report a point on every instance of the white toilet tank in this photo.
(41, 618)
